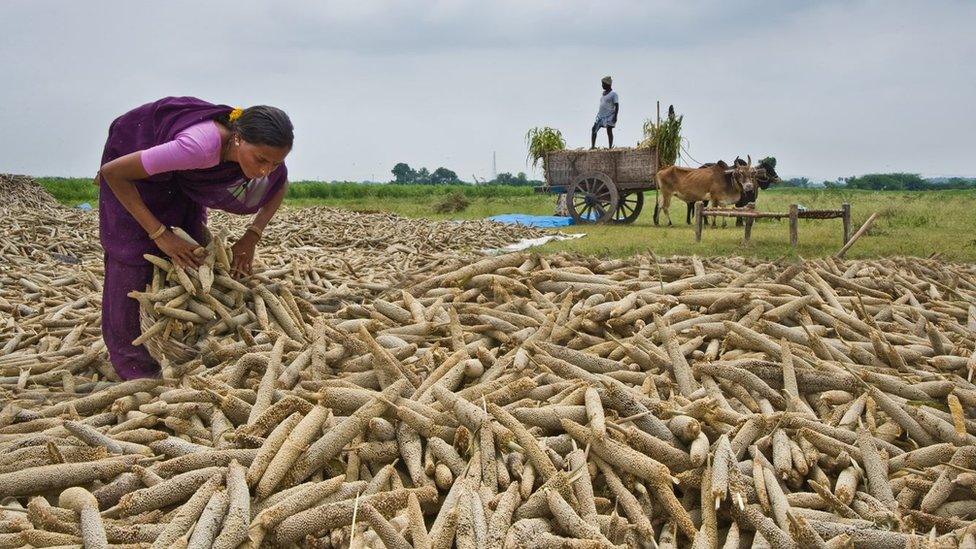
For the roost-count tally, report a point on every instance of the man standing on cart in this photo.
(606, 117)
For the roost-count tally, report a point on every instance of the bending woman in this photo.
(165, 163)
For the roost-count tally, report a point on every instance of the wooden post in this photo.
(860, 232)
(794, 225)
(748, 221)
(845, 209)
(699, 220)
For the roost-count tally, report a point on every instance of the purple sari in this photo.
(177, 199)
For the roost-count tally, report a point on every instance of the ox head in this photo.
(765, 171)
(742, 176)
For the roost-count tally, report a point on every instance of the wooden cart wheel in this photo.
(592, 198)
(629, 208)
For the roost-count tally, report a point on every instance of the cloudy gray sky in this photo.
(829, 88)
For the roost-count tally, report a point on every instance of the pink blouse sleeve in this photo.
(194, 148)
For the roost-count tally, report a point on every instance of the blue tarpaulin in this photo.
(543, 221)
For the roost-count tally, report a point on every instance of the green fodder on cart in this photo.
(542, 141)
(666, 136)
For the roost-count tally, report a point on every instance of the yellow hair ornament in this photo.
(235, 114)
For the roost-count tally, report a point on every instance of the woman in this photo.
(165, 163)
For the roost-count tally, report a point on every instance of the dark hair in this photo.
(262, 125)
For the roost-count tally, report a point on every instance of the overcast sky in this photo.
(829, 88)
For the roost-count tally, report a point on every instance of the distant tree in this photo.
(443, 176)
(798, 182)
(953, 183)
(506, 178)
(888, 182)
(404, 173)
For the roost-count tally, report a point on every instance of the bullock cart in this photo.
(601, 186)
(750, 214)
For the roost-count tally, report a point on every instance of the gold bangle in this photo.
(158, 232)
(256, 231)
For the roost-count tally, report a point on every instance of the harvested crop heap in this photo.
(521, 400)
(34, 227)
(23, 192)
(332, 229)
(328, 255)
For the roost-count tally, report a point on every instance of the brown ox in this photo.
(765, 177)
(718, 183)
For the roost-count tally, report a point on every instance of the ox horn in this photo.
(749, 160)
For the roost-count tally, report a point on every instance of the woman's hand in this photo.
(243, 251)
(179, 250)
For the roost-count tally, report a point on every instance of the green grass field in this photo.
(910, 223)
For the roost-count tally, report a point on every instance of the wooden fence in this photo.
(749, 214)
